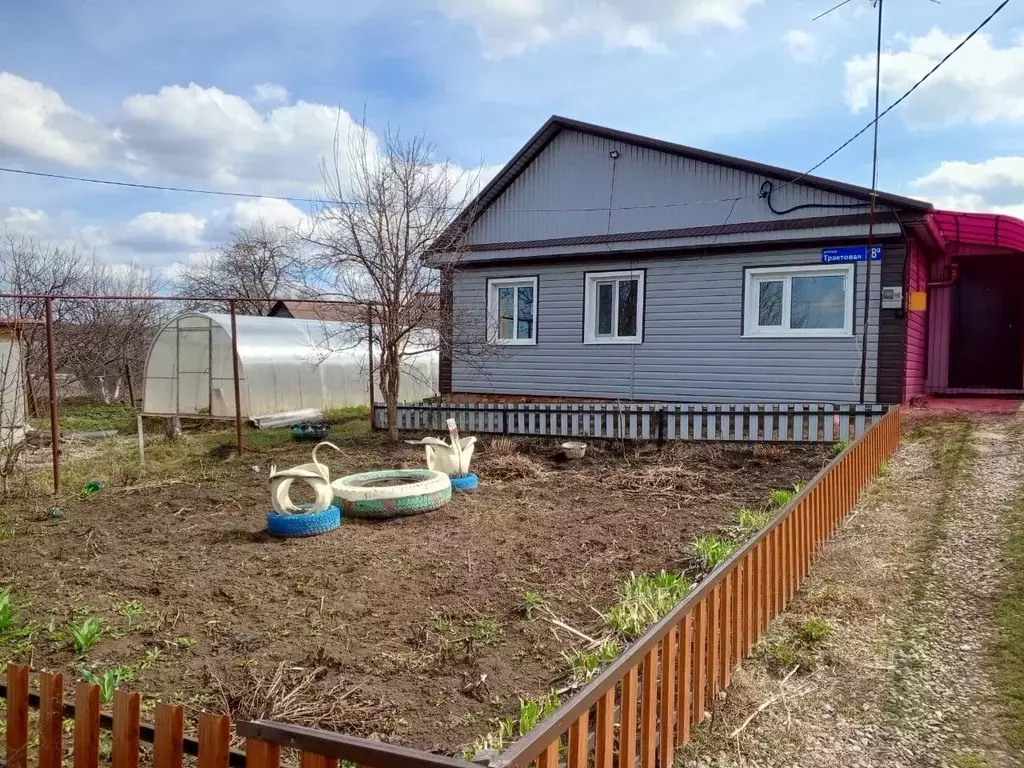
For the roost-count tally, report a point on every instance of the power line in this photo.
(833, 8)
(734, 198)
(900, 100)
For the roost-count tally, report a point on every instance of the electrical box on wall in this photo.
(892, 297)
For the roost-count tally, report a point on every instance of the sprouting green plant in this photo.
(503, 730)
(816, 630)
(185, 642)
(750, 520)
(152, 656)
(885, 470)
(85, 635)
(530, 604)
(6, 610)
(533, 711)
(711, 550)
(781, 498)
(643, 599)
(838, 447)
(584, 665)
(485, 630)
(109, 681)
(130, 609)
(442, 625)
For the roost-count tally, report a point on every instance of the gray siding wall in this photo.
(575, 172)
(693, 348)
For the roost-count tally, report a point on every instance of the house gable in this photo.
(561, 185)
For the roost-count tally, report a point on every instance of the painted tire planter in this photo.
(465, 482)
(306, 524)
(392, 493)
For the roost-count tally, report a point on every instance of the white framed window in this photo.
(799, 301)
(613, 310)
(512, 310)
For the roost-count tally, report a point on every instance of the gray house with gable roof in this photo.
(611, 266)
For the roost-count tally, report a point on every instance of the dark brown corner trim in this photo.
(774, 225)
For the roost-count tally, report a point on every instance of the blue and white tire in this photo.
(465, 482)
(305, 524)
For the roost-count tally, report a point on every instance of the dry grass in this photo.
(503, 446)
(515, 466)
(294, 695)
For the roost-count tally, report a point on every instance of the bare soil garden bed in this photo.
(412, 630)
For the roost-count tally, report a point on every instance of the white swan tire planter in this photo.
(392, 493)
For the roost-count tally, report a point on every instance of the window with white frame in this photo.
(799, 301)
(614, 307)
(512, 310)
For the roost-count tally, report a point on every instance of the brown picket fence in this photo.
(634, 714)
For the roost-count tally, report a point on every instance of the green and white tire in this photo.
(392, 493)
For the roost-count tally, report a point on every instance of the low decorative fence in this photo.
(796, 423)
(634, 714)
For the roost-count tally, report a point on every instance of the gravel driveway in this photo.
(909, 588)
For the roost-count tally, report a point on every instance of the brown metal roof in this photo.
(555, 124)
(337, 311)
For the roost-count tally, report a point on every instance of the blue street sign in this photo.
(847, 254)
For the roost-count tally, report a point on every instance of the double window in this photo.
(799, 301)
(613, 311)
(512, 310)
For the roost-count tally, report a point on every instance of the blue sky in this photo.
(244, 96)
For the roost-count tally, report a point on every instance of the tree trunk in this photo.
(390, 370)
(172, 427)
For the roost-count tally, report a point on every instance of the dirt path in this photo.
(908, 592)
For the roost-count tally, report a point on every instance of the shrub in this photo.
(711, 550)
(645, 598)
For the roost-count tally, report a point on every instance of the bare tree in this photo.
(386, 202)
(97, 343)
(260, 262)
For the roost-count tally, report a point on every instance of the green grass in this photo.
(782, 497)
(530, 604)
(1009, 651)
(968, 761)
(838, 447)
(711, 550)
(584, 665)
(643, 599)
(749, 521)
(816, 630)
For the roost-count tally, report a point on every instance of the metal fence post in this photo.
(51, 374)
(234, 365)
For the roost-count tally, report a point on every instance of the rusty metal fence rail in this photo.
(634, 714)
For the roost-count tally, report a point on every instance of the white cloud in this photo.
(157, 232)
(991, 186)
(981, 84)
(36, 122)
(511, 27)
(801, 45)
(990, 174)
(202, 134)
(270, 93)
(25, 222)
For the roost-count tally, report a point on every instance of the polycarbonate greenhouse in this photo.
(285, 366)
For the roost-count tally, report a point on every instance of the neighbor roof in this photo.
(556, 124)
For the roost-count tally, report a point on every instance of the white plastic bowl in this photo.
(574, 450)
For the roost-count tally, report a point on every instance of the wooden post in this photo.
(142, 440)
(17, 716)
(51, 720)
(87, 726)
